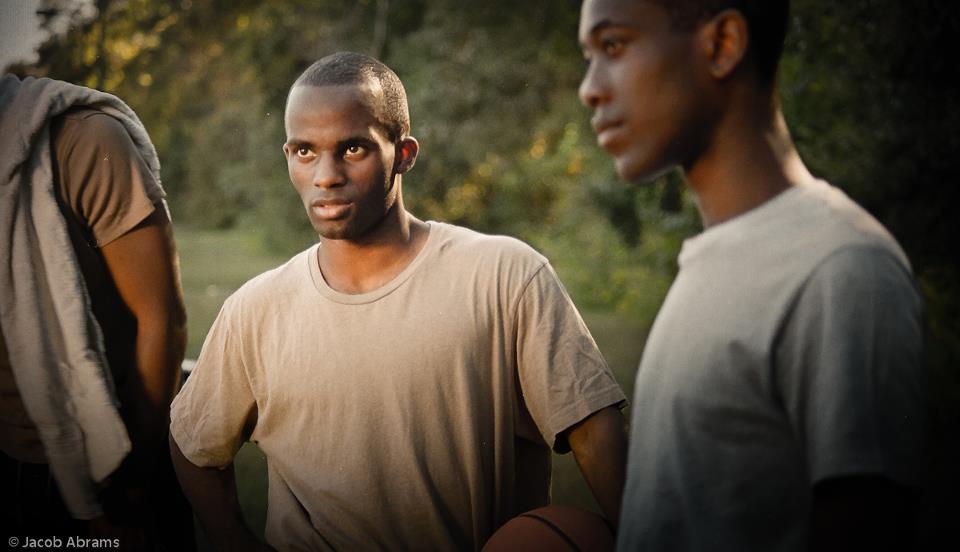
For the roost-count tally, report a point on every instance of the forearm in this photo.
(161, 341)
(599, 444)
(213, 495)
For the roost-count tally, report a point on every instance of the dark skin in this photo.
(143, 265)
(349, 176)
(213, 495)
(664, 97)
(599, 444)
(144, 268)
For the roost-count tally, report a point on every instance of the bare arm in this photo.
(599, 443)
(213, 495)
(862, 513)
(144, 267)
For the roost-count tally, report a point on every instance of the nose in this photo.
(327, 172)
(592, 89)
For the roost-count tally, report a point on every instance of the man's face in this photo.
(340, 160)
(642, 85)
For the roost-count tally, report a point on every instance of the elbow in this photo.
(178, 321)
(169, 324)
(171, 319)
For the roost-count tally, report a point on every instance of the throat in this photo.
(355, 269)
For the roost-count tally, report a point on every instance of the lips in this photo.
(606, 129)
(330, 209)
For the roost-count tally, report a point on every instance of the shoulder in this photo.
(813, 230)
(862, 272)
(504, 251)
(91, 127)
(843, 228)
(858, 265)
(859, 298)
(83, 138)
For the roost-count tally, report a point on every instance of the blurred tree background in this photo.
(505, 146)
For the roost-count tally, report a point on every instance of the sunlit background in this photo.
(506, 147)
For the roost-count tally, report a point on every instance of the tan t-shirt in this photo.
(420, 415)
(104, 188)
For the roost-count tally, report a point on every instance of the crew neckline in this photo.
(320, 283)
(731, 228)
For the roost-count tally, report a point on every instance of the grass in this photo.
(215, 263)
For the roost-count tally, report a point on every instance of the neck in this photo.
(750, 160)
(363, 265)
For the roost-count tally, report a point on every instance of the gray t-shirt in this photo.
(788, 351)
(419, 415)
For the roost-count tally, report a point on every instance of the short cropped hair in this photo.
(351, 68)
(766, 19)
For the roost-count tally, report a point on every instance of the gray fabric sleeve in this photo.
(210, 414)
(849, 368)
(563, 377)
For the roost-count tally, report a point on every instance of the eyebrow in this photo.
(363, 140)
(599, 26)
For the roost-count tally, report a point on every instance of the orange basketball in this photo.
(553, 528)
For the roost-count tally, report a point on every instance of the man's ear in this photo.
(407, 149)
(725, 38)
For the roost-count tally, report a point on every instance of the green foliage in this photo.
(505, 145)
(866, 87)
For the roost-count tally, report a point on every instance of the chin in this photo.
(334, 233)
(331, 232)
(639, 171)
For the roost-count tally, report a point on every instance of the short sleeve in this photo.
(563, 377)
(849, 368)
(103, 178)
(209, 415)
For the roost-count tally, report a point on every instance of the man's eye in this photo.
(354, 151)
(303, 151)
(612, 46)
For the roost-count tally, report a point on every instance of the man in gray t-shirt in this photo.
(779, 401)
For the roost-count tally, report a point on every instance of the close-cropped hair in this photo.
(767, 22)
(351, 68)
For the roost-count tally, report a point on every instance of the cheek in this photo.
(299, 176)
(300, 168)
(373, 173)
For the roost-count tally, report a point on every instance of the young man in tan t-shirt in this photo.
(405, 379)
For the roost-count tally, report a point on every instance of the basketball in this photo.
(553, 528)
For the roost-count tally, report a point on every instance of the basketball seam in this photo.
(555, 529)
